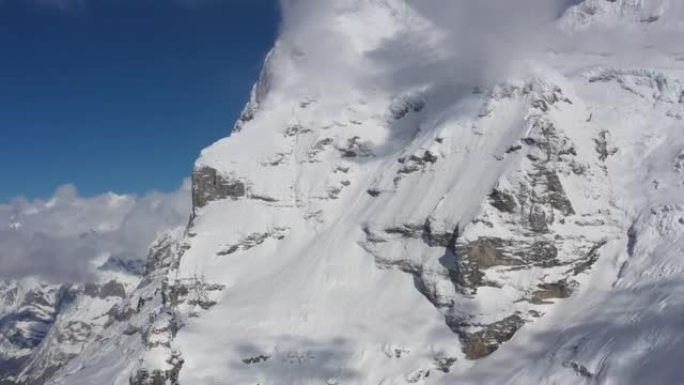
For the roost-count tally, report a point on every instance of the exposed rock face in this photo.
(414, 163)
(191, 292)
(560, 289)
(208, 185)
(538, 220)
(159, 376)
(503, 201)
(259, 92)
(160, 305)
(163, 255)
(530, 205)
(253, 240)
(482, 343)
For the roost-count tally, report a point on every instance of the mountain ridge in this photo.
(366, 224)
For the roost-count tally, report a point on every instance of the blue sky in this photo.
(121, 95)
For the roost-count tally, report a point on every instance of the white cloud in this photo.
(399, 44)
(483, 38)
(59, 239)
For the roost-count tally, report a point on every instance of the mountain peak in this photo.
(421, 193)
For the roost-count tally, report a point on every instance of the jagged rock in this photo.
(400, 108)
(540, 253)
(393, 351)
(580, 369)
(163, 254)
(208, 185)
(444, 363)
(513, 149)
(679, 162)
(476, 256)
(417, 375)
(159, 376)
(355, 148)
(537, 219)
(602, 146)
(435, 238)
(253, 240)
(560, 289)
(484, 342)
(408, 230)
(256, 359)
(555, 194)
(417, 162)
(120, 313)
(263, 198)
(293, 130)
(78, 331)
(131, 330)
(257, 94)
(423, 231)
(502, 201)
(193, 292)
(317, 148)
(589, 260)
(486, 252)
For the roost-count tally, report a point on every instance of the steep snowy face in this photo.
(401, 204)
(391, 219)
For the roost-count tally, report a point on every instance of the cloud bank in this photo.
(400, 44)
(67, 237)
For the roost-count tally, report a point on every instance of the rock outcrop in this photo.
(208, 185)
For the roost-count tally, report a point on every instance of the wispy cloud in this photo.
(399, 43)
(64, 238)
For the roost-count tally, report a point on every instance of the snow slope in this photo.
(391, 209)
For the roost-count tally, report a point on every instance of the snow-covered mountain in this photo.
(43, 326)
(435, 193)
(101, 240)
(28, 312)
